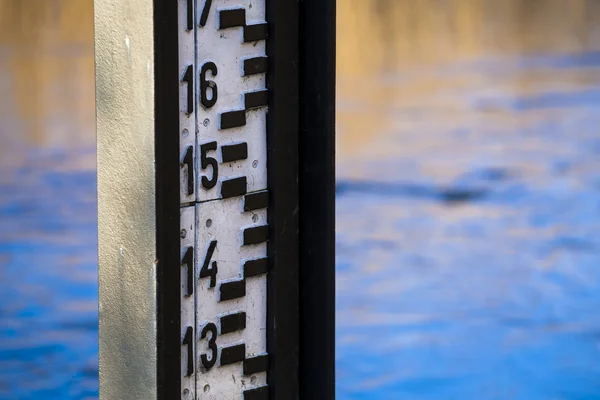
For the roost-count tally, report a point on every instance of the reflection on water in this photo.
(468, 200)
(47, 72)
(48, 290)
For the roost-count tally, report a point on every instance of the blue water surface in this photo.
(468, 260)
(48, 294)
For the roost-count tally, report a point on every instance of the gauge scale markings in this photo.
(255, 365)
(256, 267)
(233, 322)
(224, 199)
(236, 18)
(232, 290)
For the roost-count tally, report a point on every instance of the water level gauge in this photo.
(224, 198)
(216, 198)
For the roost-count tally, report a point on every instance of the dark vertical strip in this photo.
(166, 86)
(317, 199)
(190, 15)
(282, 170)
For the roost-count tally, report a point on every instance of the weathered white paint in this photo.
(217, 219)
(227, 221)
(226, 48)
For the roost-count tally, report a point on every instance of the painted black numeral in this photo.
(190, 15)
(205, 84)
(205, 12)
(188, 261)
(188, 341)
(189, 79)
(188, 160)
(208, 269)
(205, 162)
(212, 345)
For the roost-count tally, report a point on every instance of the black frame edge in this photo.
(166, 86)
(282, 176)
(317, 198)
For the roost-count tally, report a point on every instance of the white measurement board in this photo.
(224, 198)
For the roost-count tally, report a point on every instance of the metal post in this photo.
(216, 198)
(317, 198)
